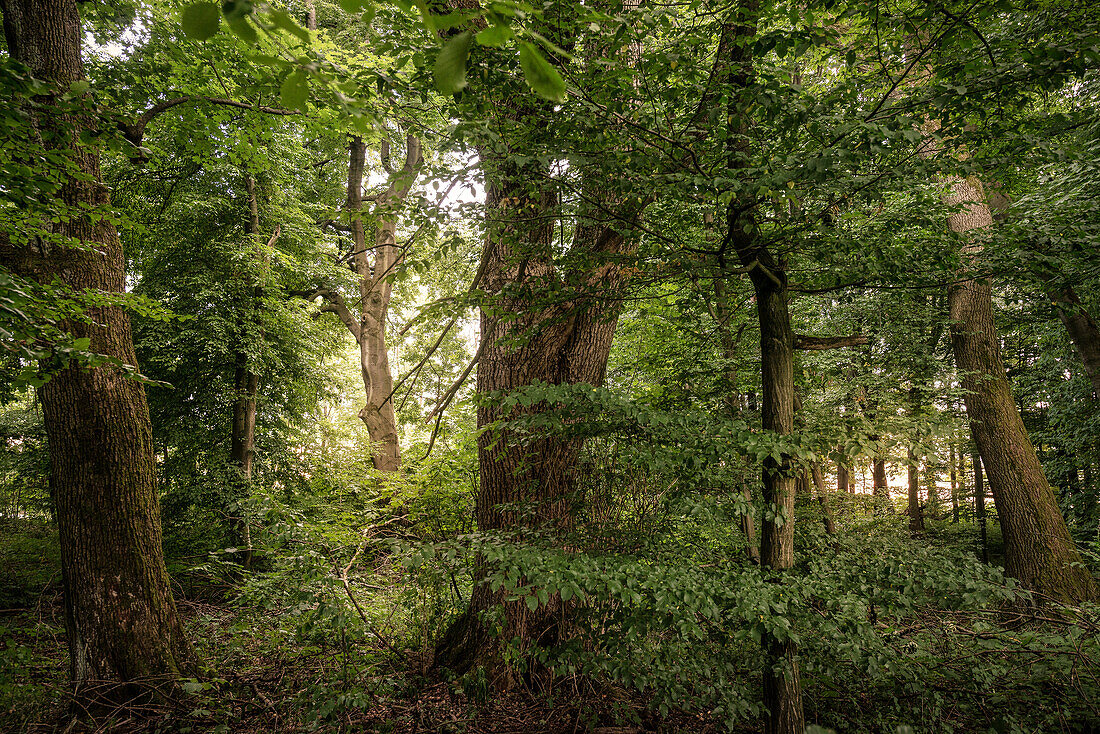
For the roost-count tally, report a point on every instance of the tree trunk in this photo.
(246, 384)
(979, 504)
(120, 617)
(916, 514)
(954, 485)
(782, 687)
(375, 265)
(1038, 548)
(843, 478)
(880, 491)
(557, 328)
(823, 499)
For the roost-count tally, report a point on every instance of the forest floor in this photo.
(301, 690)
(256, 682)
(262, 675)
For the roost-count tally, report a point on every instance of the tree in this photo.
(375, 266)
(120, 616)
(1038, 548)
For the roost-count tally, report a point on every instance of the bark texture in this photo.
(548, 321)
(120, 617)
(1038, 548)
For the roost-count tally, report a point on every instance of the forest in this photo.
(611, 366)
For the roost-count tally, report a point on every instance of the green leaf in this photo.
(532, 602)
(201, 20)
(543, 78)
(450, 65)
(496, 35)
(294, 91)
(282, 19)
(425, 14)
(242, 28)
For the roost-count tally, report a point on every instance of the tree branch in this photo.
(334, 303)
(135, 131)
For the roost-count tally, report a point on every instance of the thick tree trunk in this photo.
(120, 617)
(1038, 548)
(546, 323)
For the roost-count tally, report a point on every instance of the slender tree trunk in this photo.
(120, 618)
(843, 478)
(1038, 548)
(246, 384)
(916, 515)
(782, 686)
(823, 499)
(979, 504)
(375, 265)
(880, 491)
(954, 485)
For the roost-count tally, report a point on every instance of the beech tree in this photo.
(375, 266)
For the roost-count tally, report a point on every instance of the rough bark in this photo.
(548, 321)
(843, 482)
(120, 618)
(1038, 548)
